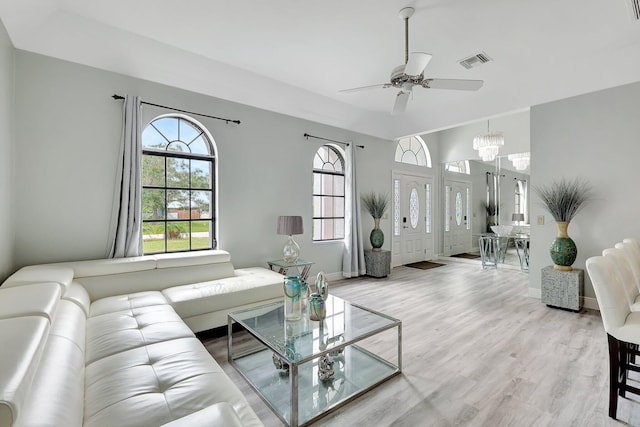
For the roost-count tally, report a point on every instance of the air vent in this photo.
(634, 9)
(480, 58)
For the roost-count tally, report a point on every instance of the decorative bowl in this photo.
(502, 230)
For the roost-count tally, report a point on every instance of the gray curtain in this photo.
(353, 264)
(125, 238)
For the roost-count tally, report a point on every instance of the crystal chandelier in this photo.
(520, 161)
(488, 144)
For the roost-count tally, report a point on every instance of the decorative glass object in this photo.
(292, 297)
(305, 292)
(317, 309)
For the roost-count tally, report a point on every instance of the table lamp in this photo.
(290, 225)
(517, 217)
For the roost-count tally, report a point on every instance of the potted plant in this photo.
(377, 205)
(492, 211)
(563, 200)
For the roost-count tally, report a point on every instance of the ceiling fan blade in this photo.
(454, 84)
(418, 61)
(401, 102)
(363, 88)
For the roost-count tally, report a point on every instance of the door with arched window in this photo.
(412, 204)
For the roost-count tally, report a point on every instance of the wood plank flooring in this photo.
(476, 352)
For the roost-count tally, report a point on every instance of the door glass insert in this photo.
(447, 209)
(396, 207)
(458, 208)
(414, 207)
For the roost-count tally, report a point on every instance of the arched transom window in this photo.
(413, 151)
(178, 184)
(328, 194)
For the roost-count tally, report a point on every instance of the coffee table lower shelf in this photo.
(356, 372)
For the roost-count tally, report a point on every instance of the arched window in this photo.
(413, 151)
(328, 193)
(178, 186)
(461, 166)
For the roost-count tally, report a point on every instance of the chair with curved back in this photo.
(627, 278)
(621, 324)
(632, 250)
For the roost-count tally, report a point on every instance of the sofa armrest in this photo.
(220, 414)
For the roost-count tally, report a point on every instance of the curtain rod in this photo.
(306, 135)
(117, 97)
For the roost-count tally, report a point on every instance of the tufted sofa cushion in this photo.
(112, 333)
(158, 383)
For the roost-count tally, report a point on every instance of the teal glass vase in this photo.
(563, 249)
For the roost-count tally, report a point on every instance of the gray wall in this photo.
(597, 137)
(66, 154)
(6, 156)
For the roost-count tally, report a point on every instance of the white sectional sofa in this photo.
(111, 342)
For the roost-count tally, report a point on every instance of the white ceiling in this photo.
(294, 56)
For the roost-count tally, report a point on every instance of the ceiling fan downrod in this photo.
(406, 13)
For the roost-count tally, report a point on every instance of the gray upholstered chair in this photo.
(621, 324)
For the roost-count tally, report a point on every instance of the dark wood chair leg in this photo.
(614, 375)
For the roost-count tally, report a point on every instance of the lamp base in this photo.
(290, 251)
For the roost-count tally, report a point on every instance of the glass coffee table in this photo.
(305, 369)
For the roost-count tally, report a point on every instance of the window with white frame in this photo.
(413, 151)
(178, 177)
(328, 194)
(461, 166)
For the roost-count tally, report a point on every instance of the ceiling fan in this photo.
(411, 73)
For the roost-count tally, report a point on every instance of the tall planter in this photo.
(563, 249)
(377, 236)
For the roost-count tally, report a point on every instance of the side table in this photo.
(562, 289)
(378, 263)
(281, 266)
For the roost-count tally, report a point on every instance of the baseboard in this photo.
(330, 276)
(587, 302)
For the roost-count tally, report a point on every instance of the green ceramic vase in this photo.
(377, 236)
(563, 249)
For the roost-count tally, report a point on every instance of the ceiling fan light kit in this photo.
(411, 73)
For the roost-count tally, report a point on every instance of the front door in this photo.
(457, 221)
(412, 219)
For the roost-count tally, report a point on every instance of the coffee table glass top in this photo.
(345, 323)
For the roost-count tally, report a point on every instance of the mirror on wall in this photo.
(498, 195)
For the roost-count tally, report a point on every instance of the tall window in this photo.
(178, 182)
(520, 205)
(328, 194)
(413, 151)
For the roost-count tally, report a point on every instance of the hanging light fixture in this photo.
(488, 144)
(520, 161)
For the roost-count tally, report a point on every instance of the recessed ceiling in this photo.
(294, 57)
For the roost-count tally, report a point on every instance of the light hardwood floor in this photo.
(476, 352)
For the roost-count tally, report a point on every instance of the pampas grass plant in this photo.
(565, 198)
(376, 204)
